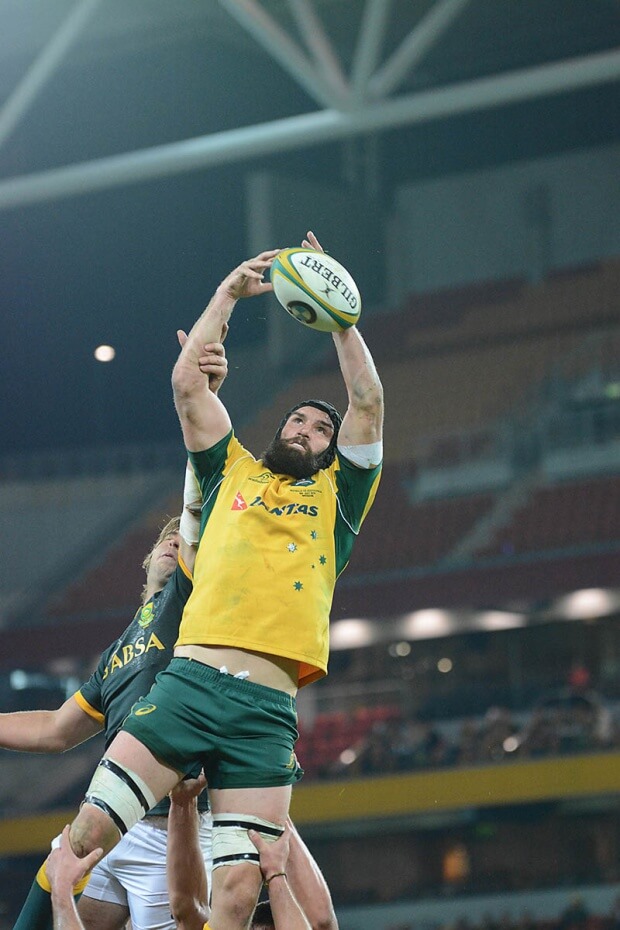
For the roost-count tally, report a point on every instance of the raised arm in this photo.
(362, 423)
(308, 885)
(203, 417)
(214, 365)
(274, 859)
(187, 880)
(47, 730)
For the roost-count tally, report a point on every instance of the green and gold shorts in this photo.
(242, 733)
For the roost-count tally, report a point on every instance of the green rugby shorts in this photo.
(241, 732)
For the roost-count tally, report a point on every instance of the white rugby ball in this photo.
(315, 289)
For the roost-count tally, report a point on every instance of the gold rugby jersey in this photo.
(271, 548)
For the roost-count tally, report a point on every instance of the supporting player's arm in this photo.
(64, 870)
(187, 880)
(47, 730)
(214, 365)
(308, 884)
(274, 859)
(203, 417)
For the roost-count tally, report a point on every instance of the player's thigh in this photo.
(236, 876)
(270, 804)
(102, 915)
(134, 755)
(235, 812)
(143, 875)
(119, 795)
(235, 891)
(135, 873)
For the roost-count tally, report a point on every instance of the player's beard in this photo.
(283, 459)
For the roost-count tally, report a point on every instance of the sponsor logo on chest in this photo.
(287, 510)
(130, 651)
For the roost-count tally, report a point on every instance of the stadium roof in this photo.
(128, 128)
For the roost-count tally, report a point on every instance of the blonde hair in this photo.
(172, 526)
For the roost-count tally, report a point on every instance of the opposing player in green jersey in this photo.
(276, 532)
(132, 881)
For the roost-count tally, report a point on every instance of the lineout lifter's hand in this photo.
(64, 868)
(213, 363)
(273, 856)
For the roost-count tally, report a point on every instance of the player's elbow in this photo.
(186, 912)
(325, 920)
(320, 912)
(186, 381)
(60, 743)
(58, 737)
(48, 744)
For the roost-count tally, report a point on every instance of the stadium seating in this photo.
(115, 582)
(574, 513)
(452, 360)
(460, 359)
(60, 526)
(399, 534)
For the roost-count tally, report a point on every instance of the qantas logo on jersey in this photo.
(239, 502)
(131, 651)
(288, 510)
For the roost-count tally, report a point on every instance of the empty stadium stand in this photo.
(459, 359)
(60, 526)
(401, 534)
(580, 513)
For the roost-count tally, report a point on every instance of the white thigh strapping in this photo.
(231, 842)
(134, 874)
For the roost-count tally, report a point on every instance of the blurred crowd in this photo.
(564, 722)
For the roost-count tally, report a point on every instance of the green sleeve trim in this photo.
(356, 488)
(209, 464)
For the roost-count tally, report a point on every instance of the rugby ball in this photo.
(315, 289)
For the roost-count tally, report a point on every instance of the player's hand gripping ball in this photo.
(315, 289)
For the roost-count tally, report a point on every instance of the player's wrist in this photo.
(184, 803)
(62, 891)
(226, 293)
(273, 875)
